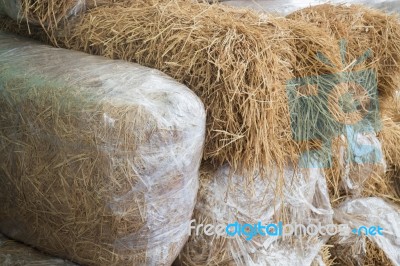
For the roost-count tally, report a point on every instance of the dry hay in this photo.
(363, 29)
(98, 158)
(13, 253)
(390, 138)
(238, 63)
(235, 61)
(326, 257)
(362, 252)
(48, 13)
(9, 25)
(225, 197)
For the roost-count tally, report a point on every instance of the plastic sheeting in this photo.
(287, 7)
(300, 197)
(368, 212)
(360, 159)
(100, 157)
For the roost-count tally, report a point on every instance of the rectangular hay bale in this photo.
(98, 158)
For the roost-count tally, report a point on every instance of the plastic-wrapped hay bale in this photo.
(225, 198)
(293, 5)
(363, 246)
(99, 158)
(363, 29)
(13, 253)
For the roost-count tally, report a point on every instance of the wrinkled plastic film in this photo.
(225, 198)
(102, 147)
(370, 212)
(287, 7)
(360, 157)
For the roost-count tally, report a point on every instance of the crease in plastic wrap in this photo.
(296, 197)
(287, 7)
(99, 158)
(360, 157)
(370, 212)
(13, 253)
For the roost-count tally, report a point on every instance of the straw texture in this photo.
(363, 29)
(99, 158)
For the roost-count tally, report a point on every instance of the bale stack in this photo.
(99, 158)
(257, 76)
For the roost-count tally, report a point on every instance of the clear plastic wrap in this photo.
(99, 158)
(294, 197)
(355, 151)
(13, 253)
(292, 5)
(369, 212)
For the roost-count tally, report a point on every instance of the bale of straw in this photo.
(99, 158)
(13, 253)
(237, 62)
(363, 29)
(225, 197)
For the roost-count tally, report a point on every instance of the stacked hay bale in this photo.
(240, 65)
(99, 158)
(13, 253)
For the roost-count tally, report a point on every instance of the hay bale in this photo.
(13, 253)
(99, 158)
(225, 197)
(237, 62)
(363, 29)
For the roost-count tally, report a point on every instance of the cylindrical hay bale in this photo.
(13, 253)
(225, 198)
(99, 158)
